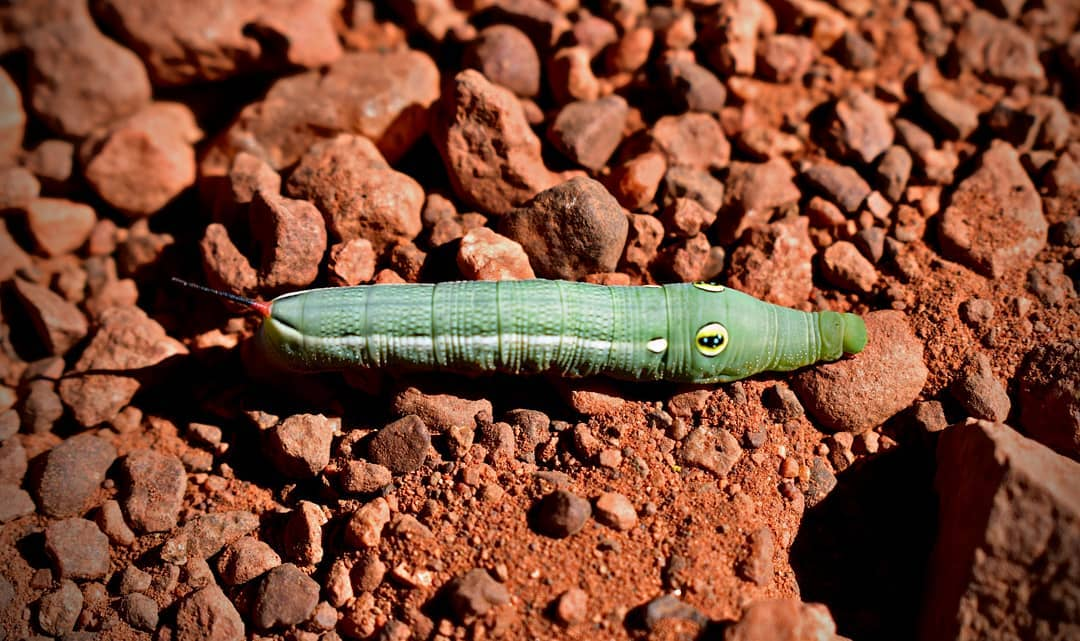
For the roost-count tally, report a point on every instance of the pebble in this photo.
(569, 231)
(486, 255)
(208, 615)
(132, 579)
(1050, 284)
(155, 490)
(12, 256)
(362, 477)
(752, 193)
(893, 171)
(1048, 382)
(999, 50)
(994, 221)
(13, 125)
(782, 403)
(667, 607)
(692, 87)
(141, 163)
(860, 393)
(286, 596)
(441, 411)
(139, 611)
(59, 609)
(782, 619)
(41, 407)
(774, 262)
(785, 57)
(855, 51)
(491, 154)
(506, 57)
(844, 266)
(561, 514)
(475, 593)
(59, 226)
(955, 118)
(929, 416)
(860, 128)
(635, 181)
(291, 240)
(351, 262)
(401, 446)
(694, 184)
(245, 559)
(126, 339)
(616, 511)
(839, 183)
(631, 51)
(58, 322)
(364, 528)
(299, 446)
(588, 132)
(822, 479)
(757, 566)
(979, 391)
(570, 76)
(302, 536)
(332, 171)
(78, 549)
(18, 186)
(203, 536)
(14, 502)
(714, 450)
(694, 140)
(368, 573)
(71, 474)
(571, 607)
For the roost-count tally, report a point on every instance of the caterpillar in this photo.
(684, 332)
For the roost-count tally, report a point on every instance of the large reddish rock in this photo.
(79, 79)
(358, 193)
(774, 262)
(71, 474)
(1049, 382)
(491, 153)
(994, 221)
(860, 392)
(126, 340)
(209, 40)
(1005, 562)
(140, 163)
(783, 620)
(383, 96)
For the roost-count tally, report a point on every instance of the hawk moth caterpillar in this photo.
(684, 332)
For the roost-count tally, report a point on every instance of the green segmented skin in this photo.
(573, 329)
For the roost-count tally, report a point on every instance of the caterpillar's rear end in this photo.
(691, 333)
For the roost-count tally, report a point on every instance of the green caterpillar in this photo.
(693, 333)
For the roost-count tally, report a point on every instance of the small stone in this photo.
(59, 323)
(14, 502)
(303, 532)
(78, 549)
(351, 262)
(774, 263)
(855, 51)
(368, 573)
(18, 186)
(669, 607)
(954, 117)
(485, 255)
(111, 521)
(785, 57)
(401, 446)
(929, 416)
(1049, 395)
(41, 407)
(506, 57)
(714, 450)
(132, 579)
(571, 77)
(752, 194)
(571, 607)
(12, 257)
(822, 479)
(59, 226)
(783, 619)
(285, 597)
(634, 182)
(245, 559)
(208, 615)
(291, 240)
(692, 140)
(364, 528)
(475, 593)
(631, 51)
(692, 87)
(1050, 283)
(59, 609)
(840, 184)
(893, 171)
(789, 467)
(757, 565)
(694, 184)
(615, 510)
(845, 267)
(999, 50)
(362, 477)
(71, 475)
(13, 123)
(205, 535)
(300, 445)
(155, 491)
(561, 514)
(860, 128)
(226, 268)
(588, 132)
(140, 612)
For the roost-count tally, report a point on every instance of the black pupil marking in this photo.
(711, 341)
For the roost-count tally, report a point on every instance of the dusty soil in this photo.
(917, 163)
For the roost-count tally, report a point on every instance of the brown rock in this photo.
(208, 615)
(506, 57)
(588, 132)
(12, 118)
(693, 140)
(714, 450)
(840, 184)
(141, 163)
(362, 477)
(994, 222)
(205, 535)
(59, 226)
(774, 262)
(690, 259)
(752, 193)
(299, 446)
(351, 262)
(686, 218)
(285, 597)
(571, 77)
(956, 119)
(291, 238)
(631, 51)
(475, 593)
(111, 521)
(358, 193)
(1008, 516)
(79, 79)
(979, 391)
(859, 129)
(303, 534)
(615, 510)
(491, 153)
(485, 255)
(14, 502)
(401, 446)
(155, 490)
(571, 607)
(999, 50)
(785, 57)
(59, 609)
(59, 323)
(570, 230)
(692, 87)
(1049, 390)
(231, 194)
(642, 242)
(12, 256)
(212, 41)
(757, 565)
(77, 548)
(71, 475)
(225, 267)
(893, 170)
(697, 184)
(364, 529)
(13, 463)
(783, 619)
(560, 514)
(859, 393)
(18, 186)
(845, 267)
(635, 181)
(733, 38)
(441, 411)
(245, 559)
(855, 51)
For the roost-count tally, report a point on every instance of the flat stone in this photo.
(71, 475)
(286, 596)
(78, 549)
(155, 490)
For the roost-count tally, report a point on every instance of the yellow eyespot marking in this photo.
(657, 345)
(711, 339)
(709, 287)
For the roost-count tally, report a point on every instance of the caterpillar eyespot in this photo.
(678, 332)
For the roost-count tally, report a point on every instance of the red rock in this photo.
(859, 129)
(59, 226)
(827, 24)
(757, 565)
(331, 175)
(732, 36)
(12, 119)
(59, 323)
(845, 267)
(364, 529)
(774, 262)
(860, 393)
(286, 597)
(491, 153)
(401, 446)
(362, 477)
(571, 607)
(979, 391)
(351, 262)
(692, 140)
(692, 87)
(542, 21)
(994, 222)
(155, 490)
(615, 510)
(1007, 537)
(245, 559)
(300, 446)
(588, 132)
(141, 163)
(208, 615)
(893, 170)
(230, 195)
(763, 143)
(441, 411)
(203, 536)
(956, 118)
(18, 186)
(474, 594)
(840, 184)
(291, 239)
(855, 51)
(52, 161)
(783, 620)
(506, 57)
(570, 230)
(79, 79)
(752, 193)
(593, 32)
(12, 256)
(635, 181)
(13, 463)
(78, 549)
(696, 184)
(785, 57)
(225, 267)
(571, 77)
(485, 255)
(714, 450)
(15, 502)
(689, 260)
(71, 475)
(126, 339)
(58, 611)
(1049, 382)
(111, 521)
(383, 96)
(303, 534)
(212, 41)
(686, 218)
(630, 52)
(999, 50)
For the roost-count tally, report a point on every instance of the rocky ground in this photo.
(914, 162)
